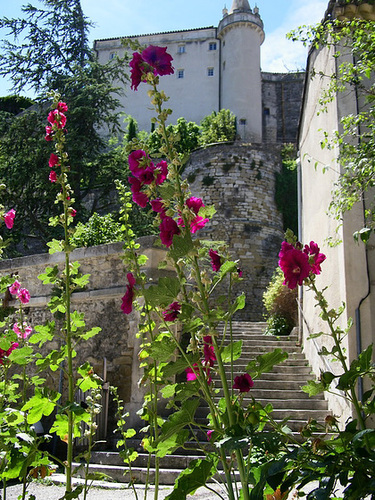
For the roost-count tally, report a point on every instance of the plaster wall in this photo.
(344, 271)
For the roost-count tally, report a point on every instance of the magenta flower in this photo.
(243, 382)
(147, 176)
(172, 311)
(209, 434)
(23, 295)
(157, 205)
(315, 257)
(162, 172)
(295, 265)
(62, 107)
(215, 260)
(138, 70)
(140, 199)
(191, 374)
(52, 176)
(127, 299)
(57, 118)
(14, 287)
(22, 332)
(73, 212)
(9, 218)
(159, 59)
(53, 160)
(195, 204)
(168, 228)
(208, 351)
(197, 223)
(5, 354)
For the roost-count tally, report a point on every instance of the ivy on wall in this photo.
(286, 188)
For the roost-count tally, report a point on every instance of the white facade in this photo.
(211, 66)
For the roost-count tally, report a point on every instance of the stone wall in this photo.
(240, 181)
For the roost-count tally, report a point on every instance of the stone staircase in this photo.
(281, 387)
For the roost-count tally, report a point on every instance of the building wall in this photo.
(344, 272)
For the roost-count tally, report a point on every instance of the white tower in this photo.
(241, 34)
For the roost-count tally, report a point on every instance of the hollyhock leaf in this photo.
(227, 267)
(168, 391)
(55, 246)
(179, 419)
(182, 246)
(264, 363)
(239, 303)
(235, 347)
(192, 478)
(312, 388)
(21, 356)
(164, 292)
(91, 333)
(167, 191)
(207, 211)
(43, 333)
(169, 445)
(178, 366)
(162, 350)
(39, 405)
(5, 343)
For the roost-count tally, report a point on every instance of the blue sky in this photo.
(115, 18)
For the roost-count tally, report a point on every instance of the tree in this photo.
(218, 127)
(185, 136)
(54, 54)
(354, 43)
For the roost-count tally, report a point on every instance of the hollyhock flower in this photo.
(209, 434)
(23, 295)
(62, 107)
(157, 205)
(239, 272)
(147, 176)
(315, 257)
(295, 265)
(73, 212)
(197, 223)
(191, 373)
(14, 287)
(159, 59)
(195, 204)
(168, 228)
(135, 184)
(172, 311)
(138, 69)
(9, 218)
(140, 199)
(24, 332)
(215, 260)
(52, 176)
(53, 160)
(127, 299)
(5, 354)
(208, 351)
(243, 382)
(56, 118)
(162, 169)
(135, 158)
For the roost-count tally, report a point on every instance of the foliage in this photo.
(286, 188)
(97, 231)
(15, 104)
(353, 41)
(218, 127)
(55, 55)
(280, 304)
(185, 136)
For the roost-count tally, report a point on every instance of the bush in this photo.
(98, 230)
(280, 304)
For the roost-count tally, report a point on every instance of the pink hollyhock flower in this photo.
(191, 374)
(162, 169)
(73, 212)
(168, 228)
(195, 204)
(147, 176)
(197, 223)
(243, 382)
(9, 218)
(135, 158)
(295, 265)
(159, 59)
(52, 176)
(23, 295)
(172, 311)
(14, 287)
(135, 184)
(138, 69)
(157, 205)
(56, 118)
(5, 354)
(24, 332)
(62, 107)
(140, 199)
(215, 260)
(53, 160)
(209, 434)
(315, 257)
(127, 299)
(208, 351)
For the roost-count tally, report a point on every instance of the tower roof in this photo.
(240, 5)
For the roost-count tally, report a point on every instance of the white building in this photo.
(219, 68)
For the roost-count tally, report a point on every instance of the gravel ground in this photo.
(101, 491)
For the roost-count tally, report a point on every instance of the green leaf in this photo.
(50, 275)
(39, 405)
(162, 350)
(164, 293)
(228, 267)
(178, 366)
(264, 363)
(239, 303)
(55, 246)
(192, 478)
(179, 419)
(313, 387)
(168, 445)
(235, 347)
(91, 333)
(43, 333)
(21, 356)
(182, 246)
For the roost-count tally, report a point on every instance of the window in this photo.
(242, 121)
(212, 46)
(112, 55)
(181, 49)
(266, 111)
(180, 73)
(210, 71)
(223, 65)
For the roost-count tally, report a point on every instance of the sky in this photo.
(121, 18)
